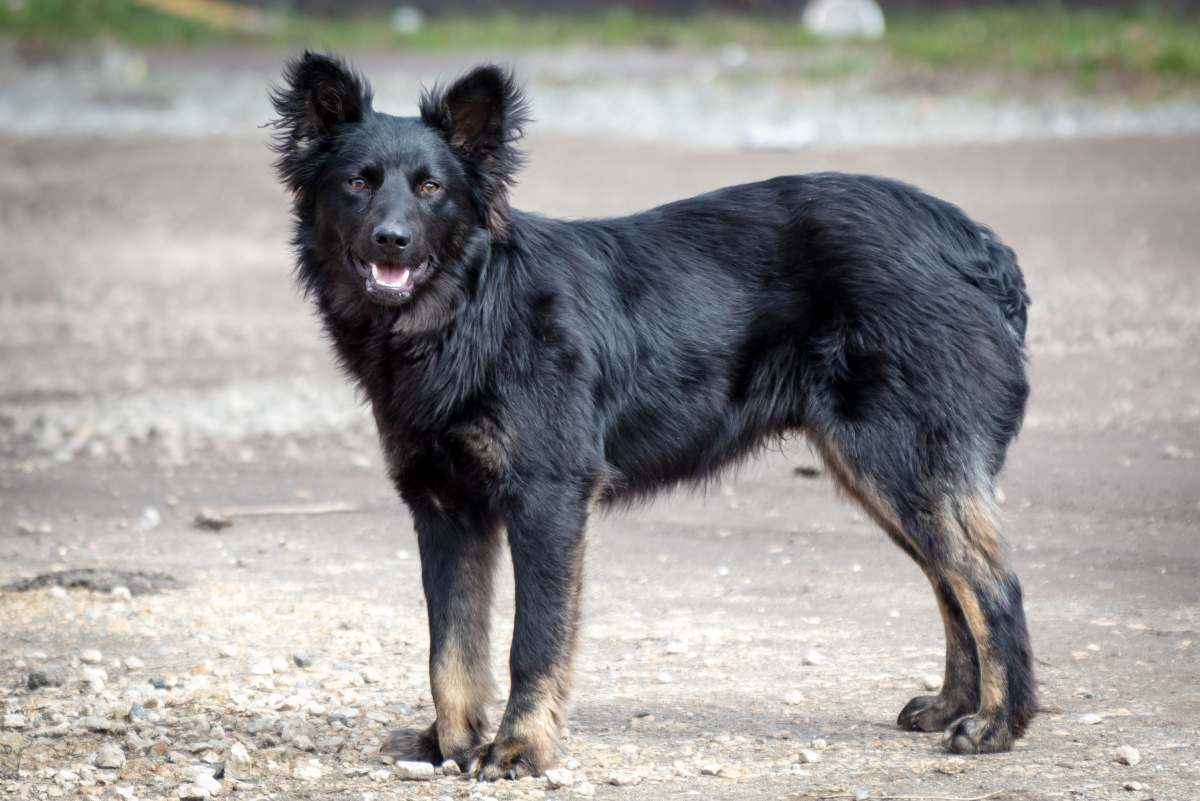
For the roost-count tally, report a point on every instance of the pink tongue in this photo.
(391, 273)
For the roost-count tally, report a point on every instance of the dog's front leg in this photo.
(546, 536)
(458, 554)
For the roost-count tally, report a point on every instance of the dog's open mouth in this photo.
(388, 277)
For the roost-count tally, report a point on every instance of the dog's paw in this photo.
(413, 745)
(506, 758)
(975, 734)
(929, 713)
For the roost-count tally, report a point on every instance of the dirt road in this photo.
(154, 358)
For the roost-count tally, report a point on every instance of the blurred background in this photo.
(155, 357)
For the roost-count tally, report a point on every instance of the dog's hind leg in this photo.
(458, 556)
(988, 695)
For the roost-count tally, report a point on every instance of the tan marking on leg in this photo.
(859, 490)
(991, 669)
(461, 688)
(977, 519)
(489, 444)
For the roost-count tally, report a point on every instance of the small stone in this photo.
(710, 769)
(192, 792)
(302, 659)
(262, 668)
(664, 677)
(861, 794)
(138, 712)
(228, 650)
(623, 779)
(93, 723)
(450, 768)
(337, 717)
(812, 658)
(238, 763)
(677, 648)
(371, 676)
(122, 592)
(931, 681)
(809, 755)
(303, 743)
(331, 745)
(1132, 785)
(92, 656)
(132, 663)
(586, 789)
(58, 592)
(793, 697)
(1126, 755)
(110, 756)
(14, 722)
(207, 782)
(1090, 719)
(279, 664)
(379, 775)
(47, 676)
(819, 745)
(413, 771)
(157, 682)
(558, 777)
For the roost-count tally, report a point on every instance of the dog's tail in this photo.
(993, 268)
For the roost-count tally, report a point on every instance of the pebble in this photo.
(931, 681)
(92, 656)
(132, 663)
(14, 722)
(122, 592)
(47, 676)
(138, 712)
(413, 771)
(809, 755)
(450, 768)
(58, 592)
(623, 779)
(337, 717)
(1132, 785)
(110, 756)
(1090, 719)
(228, 650)
(192, 792)
(302, 659)
(207, 782)
(812, 658)
(93, 723)
(279, 664)
(238, 763)
(861, 794)
(664, 677)
(586, 789)
(157, 682)
(710, 769)
(559, 777)
(1126, 755)
(331, 745)
(262, 668)
(793, 697)
(302, 742)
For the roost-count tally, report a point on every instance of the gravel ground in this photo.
(753, 643)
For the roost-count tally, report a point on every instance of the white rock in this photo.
(559, 777)
(14, 722)
(228, 650)
(1132, 785)
(314, 708)
(58, 592)
(1126, 755)
(793, 697)
(623, 779)
(122, 592)
(710, 768)
(238, 763)
(677, 648)
(110, 756)
(812, 658)
(92, 656)
(205, 781)
(931, 681)
(664, 677)
(262, 668)
(308, 772)
(810, 756)
(379, 775)
(133, 663)
(191, 792)
(1090, 719)
(841, 19)
(413, 771)
(125, 793)
(279, 664)
(819, 744)
(585, 789)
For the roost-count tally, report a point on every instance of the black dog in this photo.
(521, 369)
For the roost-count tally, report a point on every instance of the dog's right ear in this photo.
(320, 95)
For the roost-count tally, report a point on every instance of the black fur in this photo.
(521, 368)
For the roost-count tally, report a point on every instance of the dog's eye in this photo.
(357, 183)
(429, 187)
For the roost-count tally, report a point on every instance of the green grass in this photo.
(1091, 48)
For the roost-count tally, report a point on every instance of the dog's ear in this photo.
(320, 95)
(482, 117)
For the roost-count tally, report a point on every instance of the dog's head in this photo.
(387, 205)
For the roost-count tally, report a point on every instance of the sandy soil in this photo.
(154, 355)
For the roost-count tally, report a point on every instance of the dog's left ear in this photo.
(482, 117)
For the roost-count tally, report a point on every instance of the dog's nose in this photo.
(390, 236)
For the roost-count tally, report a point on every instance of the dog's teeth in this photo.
(403, 278)
(375, 273)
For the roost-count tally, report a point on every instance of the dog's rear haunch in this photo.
(522, 368)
